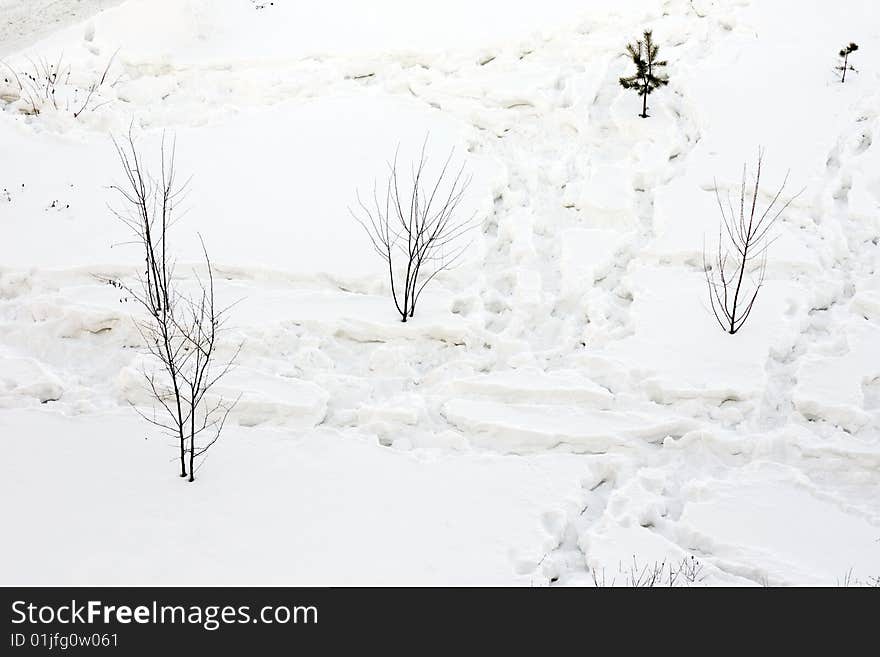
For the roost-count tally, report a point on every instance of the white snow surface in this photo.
(563, 403)
(23, 20)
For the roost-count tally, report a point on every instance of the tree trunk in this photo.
(192, 452)
(845, 60)
(739, 283)
(192, 440)
(644, 113)
(182, 454)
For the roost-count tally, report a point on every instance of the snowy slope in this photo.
(21, 22)
(562, 404)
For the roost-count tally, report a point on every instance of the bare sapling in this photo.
(180, 329)
(416, 230)
(736, 273)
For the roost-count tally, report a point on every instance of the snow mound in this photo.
(520, 428)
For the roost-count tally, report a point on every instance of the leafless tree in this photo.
(180, 330)
(416, 231)
(735, 275)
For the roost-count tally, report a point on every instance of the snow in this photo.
(774, 513)
(521, 427)
(324, 531)
(21, 21)
(562, 405)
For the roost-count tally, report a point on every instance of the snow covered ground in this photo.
(562, 404)
(21, 21)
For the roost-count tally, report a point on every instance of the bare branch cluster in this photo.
(416, 231)
(43, 84)
(659, 574)
(735, 275)
(851, 581)
(180, 331)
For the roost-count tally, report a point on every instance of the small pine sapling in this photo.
(647, 77)
(845, 65)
